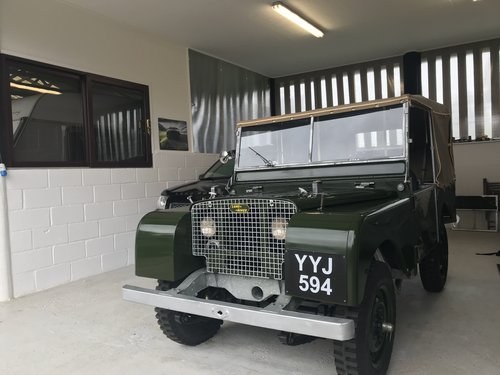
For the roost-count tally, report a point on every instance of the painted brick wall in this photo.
(68, 224)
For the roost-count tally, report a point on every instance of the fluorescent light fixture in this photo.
(289, 14)
(37, 89)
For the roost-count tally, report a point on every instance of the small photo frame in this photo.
(173, 134)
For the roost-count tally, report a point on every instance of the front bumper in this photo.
(273, 316)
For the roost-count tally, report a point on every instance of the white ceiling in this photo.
(250, 34)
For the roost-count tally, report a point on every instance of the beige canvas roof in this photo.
(441, 127)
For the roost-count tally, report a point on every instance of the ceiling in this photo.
(250, 34)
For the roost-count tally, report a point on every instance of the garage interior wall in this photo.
(223, 94)
(465, 78)
(70, 223)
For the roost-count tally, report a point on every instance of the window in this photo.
(57, 117)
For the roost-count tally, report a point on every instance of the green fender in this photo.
(163, 246)
(329, 233)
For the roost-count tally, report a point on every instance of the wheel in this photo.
(369, 353)
(185, 328)
(434, 267)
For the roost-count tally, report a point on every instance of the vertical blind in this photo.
(465, 78)
(343, 85)
(223, 94)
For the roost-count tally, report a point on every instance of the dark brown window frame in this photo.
(86, 80)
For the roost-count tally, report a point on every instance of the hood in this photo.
(201, 186)
(355, 200)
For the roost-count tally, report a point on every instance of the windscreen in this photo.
(374, 135)
(275, 144)
(348, 137)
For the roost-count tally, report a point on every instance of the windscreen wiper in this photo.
(268, 162)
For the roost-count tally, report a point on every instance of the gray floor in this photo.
(85, 328)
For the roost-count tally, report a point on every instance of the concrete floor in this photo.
(85, 328)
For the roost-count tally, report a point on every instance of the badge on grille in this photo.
(239, 208)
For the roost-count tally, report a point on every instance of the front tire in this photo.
(434, 267)
(369, 353)
(186, 329)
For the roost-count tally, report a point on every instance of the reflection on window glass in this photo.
(368, 136)
(47, 115)
(267, 145)
(118, 115)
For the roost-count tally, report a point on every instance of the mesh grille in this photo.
(243, 243)
(178, 204)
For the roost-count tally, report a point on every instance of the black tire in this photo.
(185, 328)
(434, 267)
(369, 353)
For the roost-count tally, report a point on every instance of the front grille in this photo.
(178, 204)
(243, 243)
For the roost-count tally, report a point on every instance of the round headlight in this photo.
(162, 202)
(278, 228)
(207, 227)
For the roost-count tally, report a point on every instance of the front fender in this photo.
(163, 246)
(331, 234)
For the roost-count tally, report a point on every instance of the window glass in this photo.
(369, 136)
(118, 119)
(47, 115)
(271, 145)
(59, 117)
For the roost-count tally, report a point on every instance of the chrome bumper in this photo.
(274, 316)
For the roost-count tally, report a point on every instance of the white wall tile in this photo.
(99, 246)
(132, 221)
(168, 174)
(125, 240)
(131, 256)
(83, 231)
(96, 211)
(52, 276)
(130, 191)
(159, 159)
(77, 194)
(69, 252)
(50, 236)
(27, 179)
(114, 260)
(24, 283)
(85, 268)
(31, 260)
(147, 174)
(96, 177)
(125, 207)
(14, 199)
(66, 214)
(40, 198)
(28, 219)
(174, 184)
(20, 241)
(187, 174)
(65, 177)
(122, 176)
(106, 193)
(112, 226)
(154, 189)
(203, 161)
(175, 159)
(147, 205)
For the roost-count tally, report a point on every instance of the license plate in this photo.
(317, 276)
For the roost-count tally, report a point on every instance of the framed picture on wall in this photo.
(173, 134)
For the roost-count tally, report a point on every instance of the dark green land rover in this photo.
(326, 213)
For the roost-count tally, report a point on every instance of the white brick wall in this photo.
(68, 224)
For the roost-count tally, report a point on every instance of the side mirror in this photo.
(225, 156)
